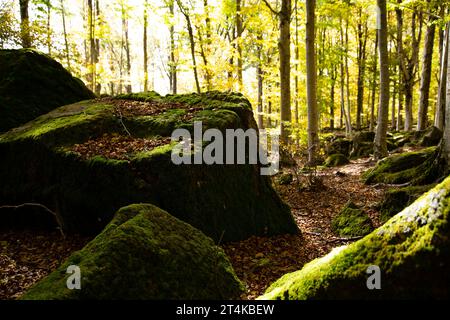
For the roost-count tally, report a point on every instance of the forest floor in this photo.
(259, 261)
(26, 257)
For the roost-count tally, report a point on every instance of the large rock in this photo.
(415, 167)
(32, 84)
(81, 162)
(412, 251)
(145, 253)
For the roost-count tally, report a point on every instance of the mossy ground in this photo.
(412, 250)
(34, 84)
(87, 192)
(351, 222)
(145, 253)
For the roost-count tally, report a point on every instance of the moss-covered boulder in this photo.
(351, 222)
(430, 137)
(397, 199)
(412, 251)
(145, 253)
(335, 160)
(403, 168)
(33, 84)
(87, 160)
(339, 146)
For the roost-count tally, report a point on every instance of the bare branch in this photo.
(270, 7)
(41, 206)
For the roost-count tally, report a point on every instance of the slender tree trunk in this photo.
(173, 65)
(311, 70)
(446, 138)
(25, 33)
(394, 101)
(425, 80)
(128, 86)
(374, 86)
(260, 81)
(66, 40)
(187, 16)
(145, 43)
(239, 31)
(347, 76)
(49, 30)
(297, 57)
(362, 44)
(380, 144)
(284, 47)
(439, 121)
(348, 126)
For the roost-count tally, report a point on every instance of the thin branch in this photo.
(270, 8)
(333, 239)
(41, 206)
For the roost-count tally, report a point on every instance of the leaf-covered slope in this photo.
(82, 168)
(145, 253)
(33, 84)
(411, 249)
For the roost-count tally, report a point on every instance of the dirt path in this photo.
(260, 261)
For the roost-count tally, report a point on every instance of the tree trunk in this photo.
(348, 126)
(446, 138)
(425, 79)
(311, 83)
(128, 86)
(239, 31)
(362, 43)
(172, 66)
(25, 33)
(284, 46)
(145, 43)
(374, 86)
(380, 144)
(439, 120)
(259, 80)
(49, 30)
(66, 40)
(192, 43)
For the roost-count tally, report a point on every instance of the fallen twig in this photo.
(384, 185)
(38, 205)
(333, 239)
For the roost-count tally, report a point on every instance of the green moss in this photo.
(351, 222)
(412, 250)
(34, 84)
(145, 253)
(400, 168)
(395, 200)
(335, 160)
(88, 193)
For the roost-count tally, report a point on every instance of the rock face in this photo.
(91, 158)
(32, 84)
(412, 251)
(145, 253)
